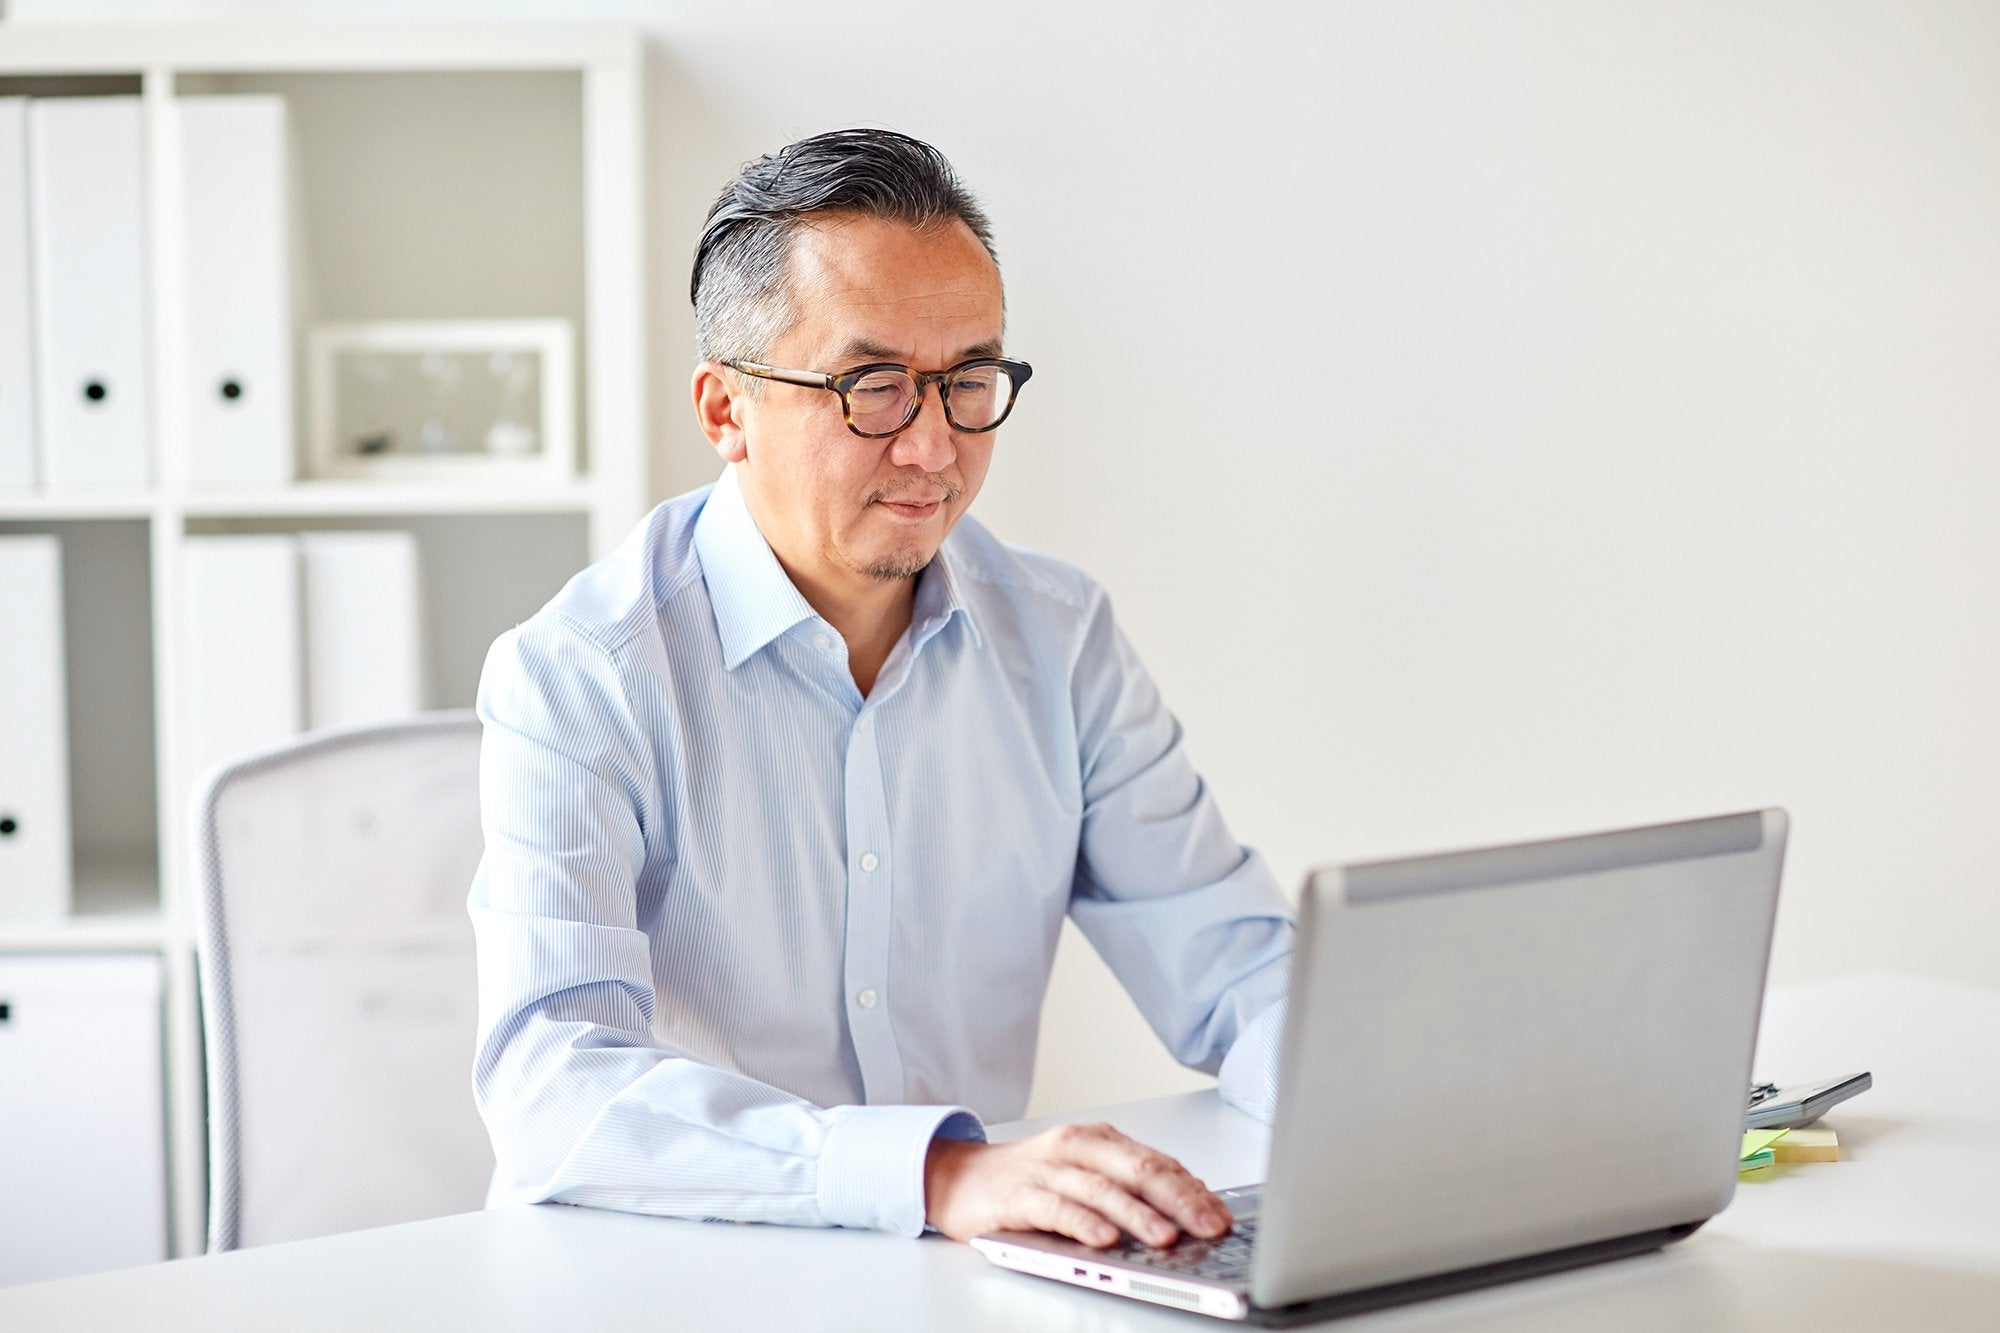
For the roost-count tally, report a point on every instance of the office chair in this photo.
(338, 988)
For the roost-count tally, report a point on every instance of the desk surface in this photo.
(1904, 1231)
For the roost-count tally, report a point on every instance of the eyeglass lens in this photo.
(975, 398)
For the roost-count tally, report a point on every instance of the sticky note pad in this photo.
(1812, 1144)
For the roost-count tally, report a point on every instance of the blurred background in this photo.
(1489, 420)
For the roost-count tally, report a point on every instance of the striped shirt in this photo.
(749, 940)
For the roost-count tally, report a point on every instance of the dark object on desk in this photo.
(1773, 1107)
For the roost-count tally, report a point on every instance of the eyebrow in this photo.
(857, 350)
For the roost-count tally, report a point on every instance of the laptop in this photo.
(1496, 1063)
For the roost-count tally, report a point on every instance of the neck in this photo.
(871, 615)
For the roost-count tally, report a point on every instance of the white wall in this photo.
(1491, 420)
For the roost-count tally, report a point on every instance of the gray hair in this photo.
(741, 287)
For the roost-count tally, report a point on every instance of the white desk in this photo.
(1903, 1233)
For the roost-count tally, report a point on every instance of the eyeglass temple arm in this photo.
(810, 379)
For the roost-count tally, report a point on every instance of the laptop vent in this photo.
(1154, 1291)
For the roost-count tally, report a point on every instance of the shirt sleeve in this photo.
(1190, 921)
(582, 1103)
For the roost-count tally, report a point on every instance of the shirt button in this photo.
(869, 861)
(821, 642)
(866, 999)
(862, 725)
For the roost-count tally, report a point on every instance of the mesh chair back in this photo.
(338, 984)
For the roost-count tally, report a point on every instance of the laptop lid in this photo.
(1512, 1050)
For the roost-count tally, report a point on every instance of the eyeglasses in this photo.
(881, 398)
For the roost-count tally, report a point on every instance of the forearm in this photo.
(582, 1113)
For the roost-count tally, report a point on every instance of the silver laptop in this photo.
(1496, 1063)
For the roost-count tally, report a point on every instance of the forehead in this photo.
(915, 291)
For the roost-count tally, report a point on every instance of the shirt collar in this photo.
(938, 600)
(754, 599)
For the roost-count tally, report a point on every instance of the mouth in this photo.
(913, 508)
(910, 511)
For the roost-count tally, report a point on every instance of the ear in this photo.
(718, 410)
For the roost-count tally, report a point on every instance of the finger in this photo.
(1046, 1210)
(1108, 1199)
(1158, 1179)
(1173, 1190)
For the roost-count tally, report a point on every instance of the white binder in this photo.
(81, 1098)
(17, 365)
(241, 674)
(238, 246)
(87, 192)
(34, 733)
(364, 627)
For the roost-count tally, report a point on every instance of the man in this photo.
(785, 801)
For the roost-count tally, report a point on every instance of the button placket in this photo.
(869, 921)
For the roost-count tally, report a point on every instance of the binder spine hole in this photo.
(6, 1011)
(8, 825)
(232, 389)
(95, 391)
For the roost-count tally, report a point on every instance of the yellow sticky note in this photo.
(1756, 1140)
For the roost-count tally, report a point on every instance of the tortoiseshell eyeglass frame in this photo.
(1017, 371)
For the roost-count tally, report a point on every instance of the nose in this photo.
(927, 441)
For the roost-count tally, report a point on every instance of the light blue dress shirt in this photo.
(748, 940)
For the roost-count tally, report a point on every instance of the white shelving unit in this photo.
(458, 171)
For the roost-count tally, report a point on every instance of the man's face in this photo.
(845, 514)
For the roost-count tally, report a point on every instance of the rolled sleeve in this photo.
(871, 1171)
(1248, 1079)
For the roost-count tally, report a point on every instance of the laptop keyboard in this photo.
(1224, 1260)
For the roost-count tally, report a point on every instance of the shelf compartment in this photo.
(107, 619)
(482, 574)
(117, 908)
(435, 196)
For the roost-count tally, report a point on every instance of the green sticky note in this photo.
(1761, 1158)
(1757, 1141)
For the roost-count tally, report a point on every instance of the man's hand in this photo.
(1083, 1181)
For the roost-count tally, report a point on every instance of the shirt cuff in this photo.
(1248, 1079)
(871, 1170)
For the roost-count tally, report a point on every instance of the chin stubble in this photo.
(888, 571)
